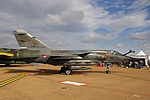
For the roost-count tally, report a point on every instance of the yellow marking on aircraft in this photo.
(7, 54)
(12, 79)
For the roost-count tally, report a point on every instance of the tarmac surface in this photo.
(25, 82)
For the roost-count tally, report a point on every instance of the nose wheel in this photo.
(108, 68)
(108, 72)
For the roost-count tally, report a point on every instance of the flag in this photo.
(31, 43)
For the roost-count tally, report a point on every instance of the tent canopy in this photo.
(141, 54)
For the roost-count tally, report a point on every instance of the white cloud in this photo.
(145, 45)
(138, 36)
(71, 24)
(7, 41)
(64, 17)
(139, 4)
(93, 38)
(54, 20)
(118, 45)
(72, 15)
(7, 21)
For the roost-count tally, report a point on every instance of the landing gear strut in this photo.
(66, 70)
(108, 68)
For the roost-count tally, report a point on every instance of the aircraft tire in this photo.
(68, 71)
(108, 72)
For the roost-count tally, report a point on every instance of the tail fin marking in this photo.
(26, 40)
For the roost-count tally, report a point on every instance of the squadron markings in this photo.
(12, 79)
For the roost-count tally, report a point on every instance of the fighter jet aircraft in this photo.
(7, 56)
(33, 50)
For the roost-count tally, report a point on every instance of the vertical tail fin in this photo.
(27, 41)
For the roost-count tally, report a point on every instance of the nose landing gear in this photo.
(108, 68)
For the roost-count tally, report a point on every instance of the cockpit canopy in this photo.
(108, 52)
(114, 52)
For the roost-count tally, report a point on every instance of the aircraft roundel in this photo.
(44, 56)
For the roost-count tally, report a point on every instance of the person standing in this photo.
(146, 62)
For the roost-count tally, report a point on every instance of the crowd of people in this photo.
(134, 64)
(139, 64)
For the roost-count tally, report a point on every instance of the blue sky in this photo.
(79, 24)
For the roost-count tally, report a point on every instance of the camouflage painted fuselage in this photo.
(33, 50)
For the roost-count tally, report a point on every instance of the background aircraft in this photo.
(33, 50)
(7, 56)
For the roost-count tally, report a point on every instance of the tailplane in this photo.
(27, 41)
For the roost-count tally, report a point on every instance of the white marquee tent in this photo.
(141, 54)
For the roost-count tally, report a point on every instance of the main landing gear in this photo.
(66, 70)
